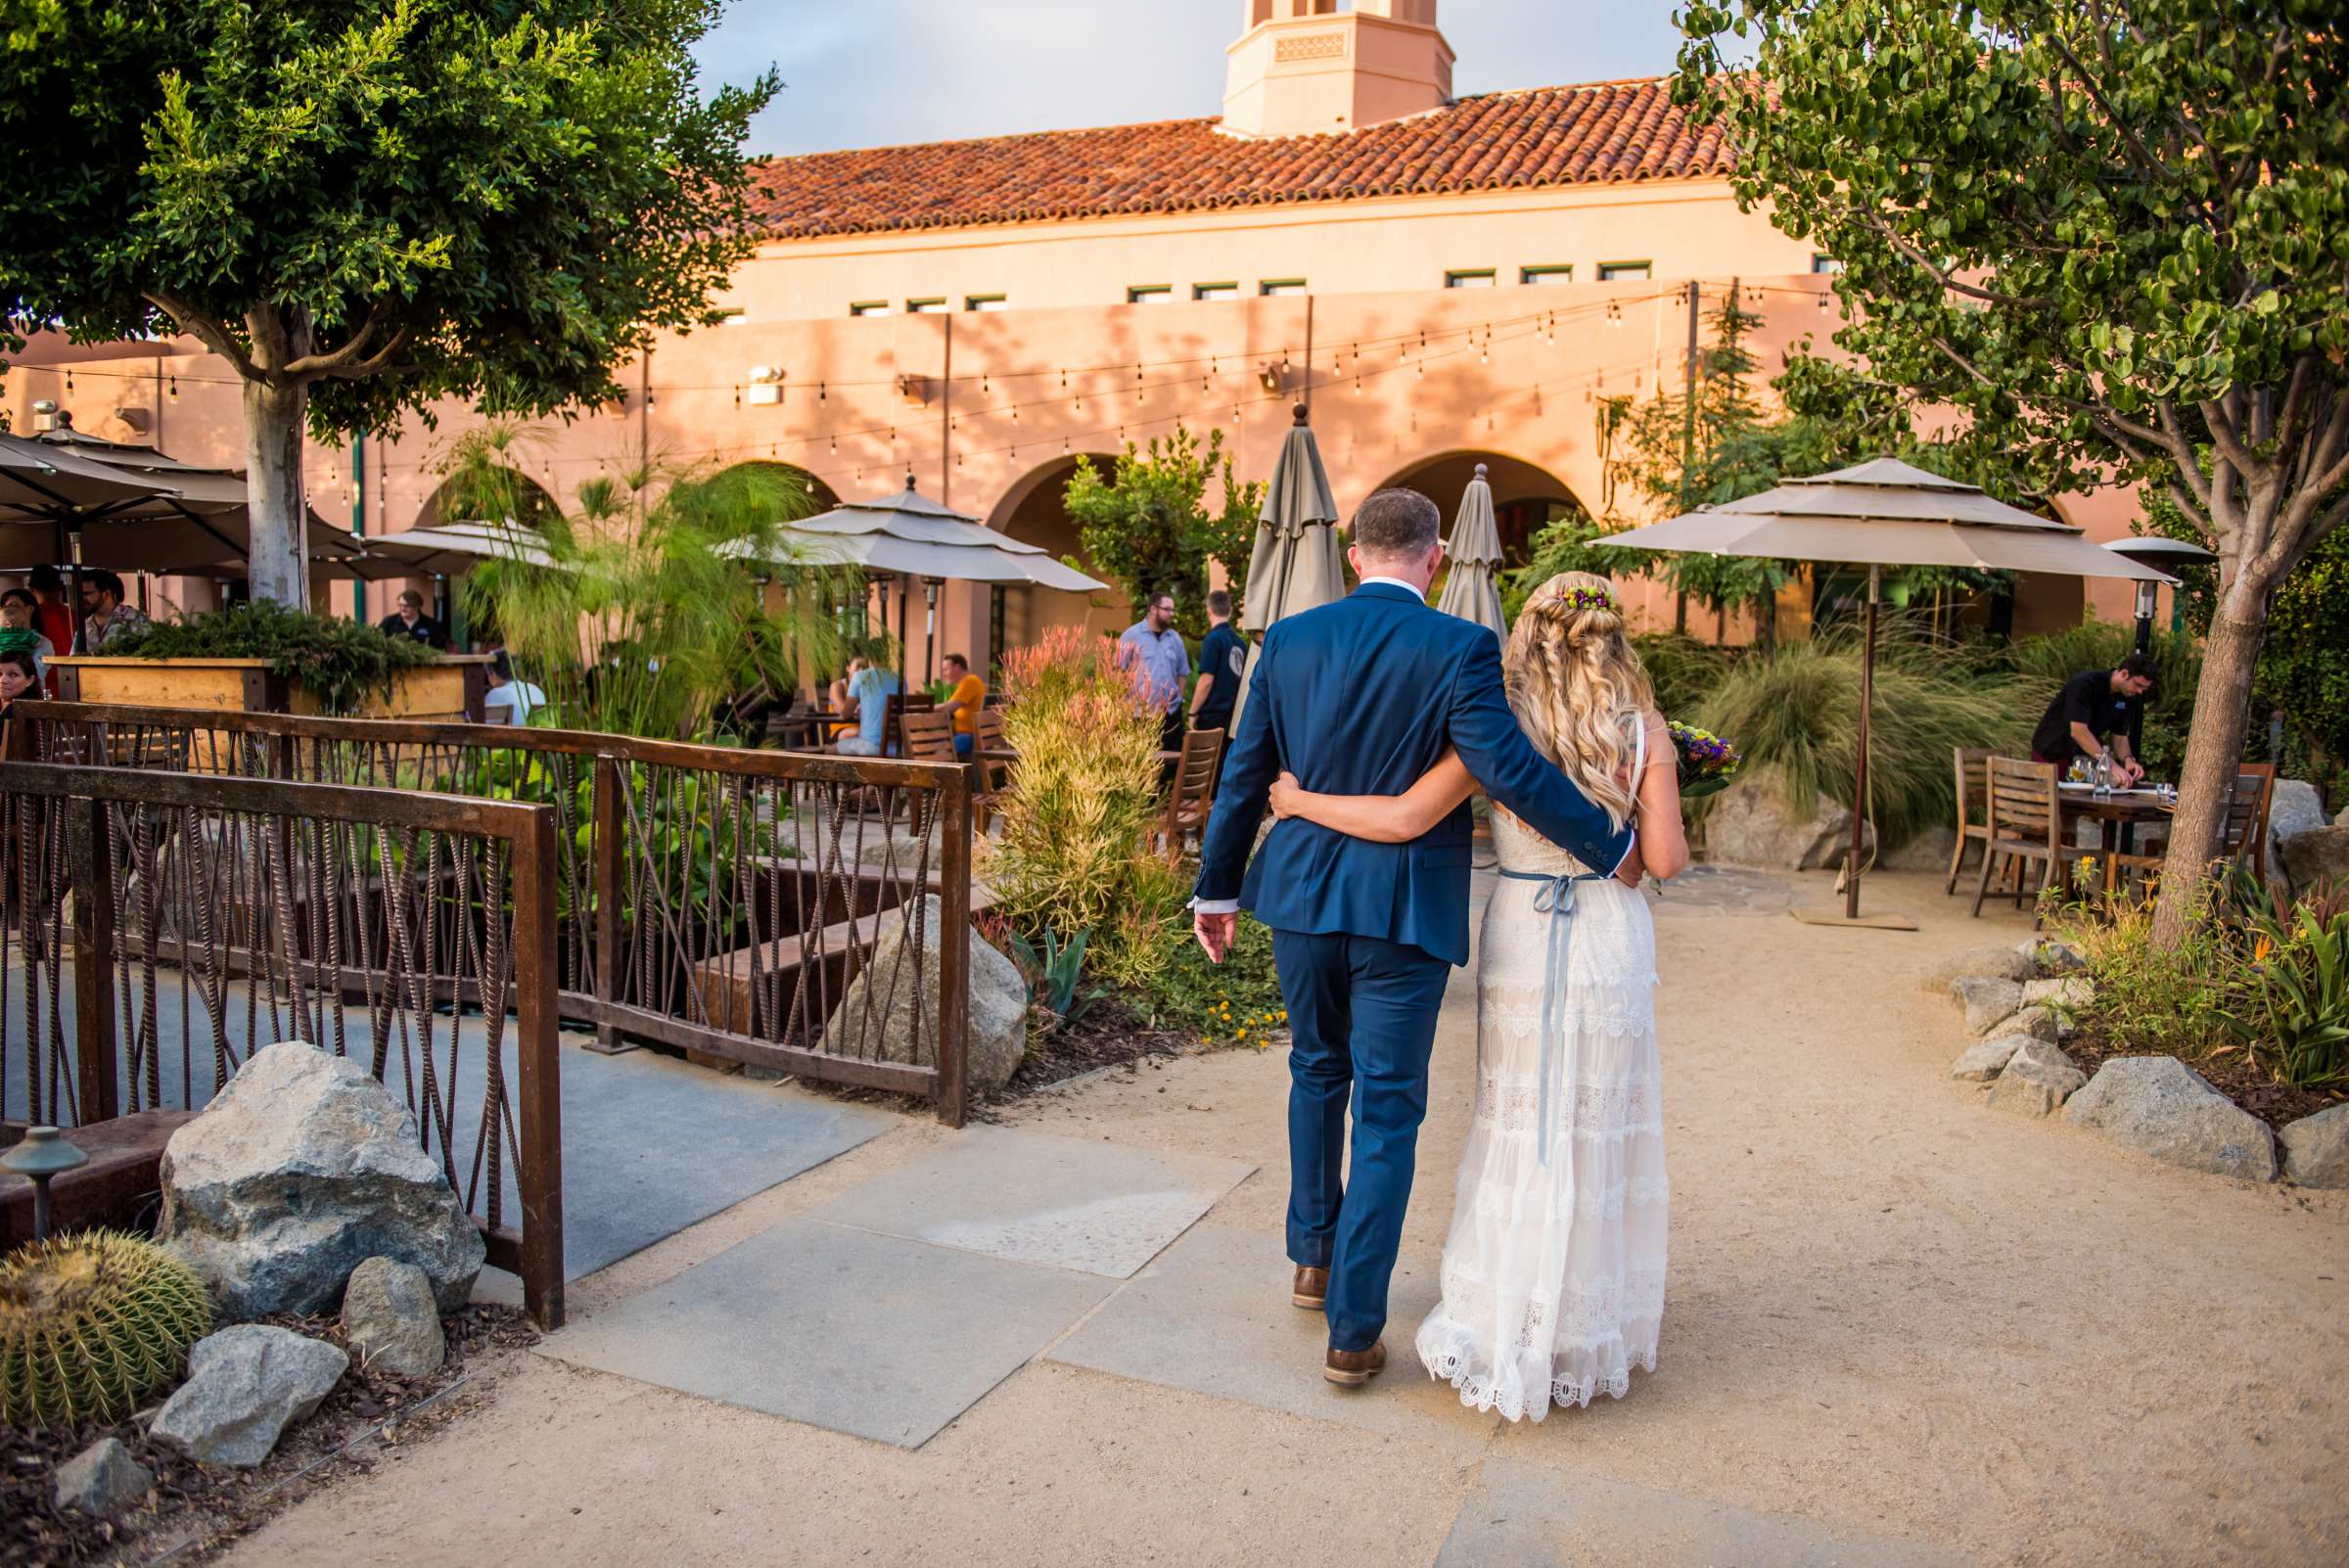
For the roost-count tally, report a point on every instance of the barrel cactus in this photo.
(91, 1324)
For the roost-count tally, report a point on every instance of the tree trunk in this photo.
(274, 419)
(2213, 752)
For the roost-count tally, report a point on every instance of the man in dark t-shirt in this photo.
(1223, 658)
(2094, 712)
(410, 621)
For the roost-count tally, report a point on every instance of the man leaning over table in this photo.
(2090, 718)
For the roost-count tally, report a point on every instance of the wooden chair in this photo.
(927, 737)
(1192, 795)
(1973, 806)
(2243, 833)
(2026, 824)
(993, 773)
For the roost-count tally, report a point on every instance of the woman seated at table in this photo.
(2092, 716)
(867, 703)
(840, 703)
(18, 678)
(17, 607)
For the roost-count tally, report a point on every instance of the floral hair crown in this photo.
(1581, 598)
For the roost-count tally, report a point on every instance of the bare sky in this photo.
(876, 72)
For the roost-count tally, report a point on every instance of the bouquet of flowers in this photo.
(1707, 762)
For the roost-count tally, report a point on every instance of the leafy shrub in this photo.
(1237, 1001)
(341, 661)
(1795, 715)
(1069, 858)
(1683, 670)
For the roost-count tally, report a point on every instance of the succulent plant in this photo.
(91, 1324)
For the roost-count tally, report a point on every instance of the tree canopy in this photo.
(367, 208)
(1146, 526)
(2111, 234)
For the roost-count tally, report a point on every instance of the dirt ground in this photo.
(1893, 1310)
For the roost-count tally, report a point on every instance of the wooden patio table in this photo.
(2120, 813)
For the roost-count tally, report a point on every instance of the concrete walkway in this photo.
(1903, 1328)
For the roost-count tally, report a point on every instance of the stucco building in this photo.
(1444, 280)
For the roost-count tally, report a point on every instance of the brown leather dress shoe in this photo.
(1311, 1288)
(1354, 1368)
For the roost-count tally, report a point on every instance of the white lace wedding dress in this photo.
(1554, 1273)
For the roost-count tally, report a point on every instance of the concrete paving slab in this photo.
(1519, 1516)
(651, 1144)
(1067, 1203)
(1213, 1315)
(872, 1335)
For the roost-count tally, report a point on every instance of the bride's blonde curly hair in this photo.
(1578, 689)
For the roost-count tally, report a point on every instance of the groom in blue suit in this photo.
(1361, 697)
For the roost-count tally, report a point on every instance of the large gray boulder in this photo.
(2316, 1148)
(2038, 1022)
(876, 1015)
(2037, 1080)
(2319, 855)
(1752, 823)
(390, 1321)
(2052, 952)
(2071, 993)
(2294, 809)
(246, 1385)
(302, 1169)
(1998, 962)
(2159, 1106)
(1987, 1001)
(103, 1479)
(1929, 850)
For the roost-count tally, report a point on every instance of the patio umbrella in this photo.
(1295, 565)
(86, 502)
(1470, 590)
(445, 549)
(906, 534)
(1879, 514)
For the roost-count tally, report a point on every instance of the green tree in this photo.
(370, 208)
(1147, 529)
(2109, 232)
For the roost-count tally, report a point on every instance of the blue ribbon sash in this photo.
(1557, 900)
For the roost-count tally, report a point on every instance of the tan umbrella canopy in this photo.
(1879, 514)
(1469, 589)
(1296, 564)
(445, 549)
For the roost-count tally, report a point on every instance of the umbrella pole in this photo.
(1848, 914)
(1867, 692)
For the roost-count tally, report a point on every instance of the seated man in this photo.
(970, 695)
(409, 621)
(869, 691)
(509, 701)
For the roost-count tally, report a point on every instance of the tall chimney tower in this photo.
(1306, 66)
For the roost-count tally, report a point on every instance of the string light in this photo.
(1614, 314)
(68, 381)
(176, 388)
(986, 387)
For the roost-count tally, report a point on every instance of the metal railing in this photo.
(160, 927)
(733, 903)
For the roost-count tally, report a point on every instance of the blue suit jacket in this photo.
(1361, 697)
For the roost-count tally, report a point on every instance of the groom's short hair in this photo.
(1395, 523)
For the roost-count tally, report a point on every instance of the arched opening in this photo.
(797, 482)
(1031, 512)
(531, 501)
(1526, 498)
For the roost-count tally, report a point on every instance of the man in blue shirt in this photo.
(870, 690)
(1154, 647)
(1222, 660)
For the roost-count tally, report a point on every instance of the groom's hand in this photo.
(1213, 931)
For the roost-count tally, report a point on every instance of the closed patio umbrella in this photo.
(1878, 514)
(1296, 564)
(1469, 589)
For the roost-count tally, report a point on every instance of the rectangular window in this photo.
(868, 308)
(1825, 264)
(1277, 286)
(925, 307)
(985, 301)
(1625, 271)
(1546, 275)
(1214, 290)
(1470, 278)
(1150, 294)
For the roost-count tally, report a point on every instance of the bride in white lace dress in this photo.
(1553, 1273)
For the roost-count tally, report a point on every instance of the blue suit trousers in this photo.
(1361, 1023)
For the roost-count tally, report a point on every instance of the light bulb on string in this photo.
(1235, 413)
(986, 388)
(823, 392)
(176, 388)
(1614, 314)
(1064, 447)
(68, 381)
(834, 440)
(1357, 386)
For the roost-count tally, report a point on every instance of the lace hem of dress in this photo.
(1611, 1108)
(1590, 1202)
(1526, 1391)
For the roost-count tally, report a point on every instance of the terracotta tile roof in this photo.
(1600, 133)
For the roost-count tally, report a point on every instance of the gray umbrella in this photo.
(1296, 564)
(1879, 514)
(1470, 590)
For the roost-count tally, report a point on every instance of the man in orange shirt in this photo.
(969, 696)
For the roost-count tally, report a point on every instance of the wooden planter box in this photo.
(447, 692)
